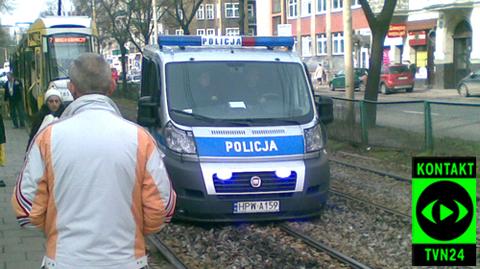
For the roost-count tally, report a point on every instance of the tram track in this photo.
(166, 252)
(323, 247)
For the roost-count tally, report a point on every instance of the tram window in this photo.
(62, 50)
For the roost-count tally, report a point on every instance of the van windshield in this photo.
(252, 93)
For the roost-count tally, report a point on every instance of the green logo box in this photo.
(444, 211)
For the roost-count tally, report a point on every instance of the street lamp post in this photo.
(155, 24)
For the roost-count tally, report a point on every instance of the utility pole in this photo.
(59, 12)
(347, 34)
(328, 26)
(155, 23)
(299, 29)
(313, 34)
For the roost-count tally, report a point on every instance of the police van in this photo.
(242, 132)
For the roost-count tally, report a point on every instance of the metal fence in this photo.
(440, 127)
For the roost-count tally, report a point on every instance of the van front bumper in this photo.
(194, 204)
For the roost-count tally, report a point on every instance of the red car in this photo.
(396, 77)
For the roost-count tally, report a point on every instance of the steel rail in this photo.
(167, 252)
(322, 247)
(375, 171)
(363, 201)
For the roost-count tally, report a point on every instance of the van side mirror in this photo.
(324, 107)
(147, 111)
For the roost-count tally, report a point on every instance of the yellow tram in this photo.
(44, 54)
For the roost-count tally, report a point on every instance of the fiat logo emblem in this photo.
(256, 181)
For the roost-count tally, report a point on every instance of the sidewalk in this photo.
(19, 248)
(418, 93)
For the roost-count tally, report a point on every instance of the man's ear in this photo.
(113, 87)
(73, 89)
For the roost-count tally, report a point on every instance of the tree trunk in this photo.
(241, 20)
(59, 13)
(373, 82)
(123, 52)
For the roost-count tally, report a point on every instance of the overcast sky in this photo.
(27, 10)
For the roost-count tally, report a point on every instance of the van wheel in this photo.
(410, 89)
(384, 89)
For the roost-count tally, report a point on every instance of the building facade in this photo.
(309, 18)
(217, 17)
(452, 31)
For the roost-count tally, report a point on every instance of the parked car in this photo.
(396, 77)
(338, 80)
(470, 85)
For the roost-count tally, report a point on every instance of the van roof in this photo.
(175, 54)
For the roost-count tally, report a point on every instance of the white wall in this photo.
(264, 17)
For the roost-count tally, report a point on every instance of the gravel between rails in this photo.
(242, 246)
(394, 194)
(367, 234)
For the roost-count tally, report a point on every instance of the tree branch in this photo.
(371, 18)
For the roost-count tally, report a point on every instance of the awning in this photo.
(421, 25)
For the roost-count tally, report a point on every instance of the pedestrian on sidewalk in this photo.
(49, 112)
(13, 94)
(3, 150)
(319, 74)
(94, 182)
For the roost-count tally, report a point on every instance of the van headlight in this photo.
(179, 140)
(314, 138)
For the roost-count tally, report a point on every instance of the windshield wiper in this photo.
(211, 120)
(193, 115)
(280, 121)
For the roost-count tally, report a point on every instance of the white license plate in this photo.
(256, 207)
(402, 78)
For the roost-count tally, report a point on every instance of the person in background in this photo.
(49, 112)
(3, 150)
(93, 182)
(13, 94)
(319, 74)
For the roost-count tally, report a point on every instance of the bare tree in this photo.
(379, 25)
(51, 9)
(117, 22)
(185, 11)
(142, 23)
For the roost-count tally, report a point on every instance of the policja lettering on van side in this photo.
(251, 146)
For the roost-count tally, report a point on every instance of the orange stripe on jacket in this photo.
(44, 211)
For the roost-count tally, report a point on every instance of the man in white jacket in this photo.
(94, 182)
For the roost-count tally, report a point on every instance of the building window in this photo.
(306, 7)
(355, 3)
(321, 6)
(211, 31)
(292, 8)
(251, 10)
(231, 10)
(306, 46)
(200, 31)
(179, 32)
(277, 6)
(200, 12)
(322, 44)
(337, 4)
(210, 11)
(232, 31)
(251, 31)
(338, 45)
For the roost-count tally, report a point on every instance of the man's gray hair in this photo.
(90, 73)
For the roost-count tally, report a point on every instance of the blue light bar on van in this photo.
(226, 41)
